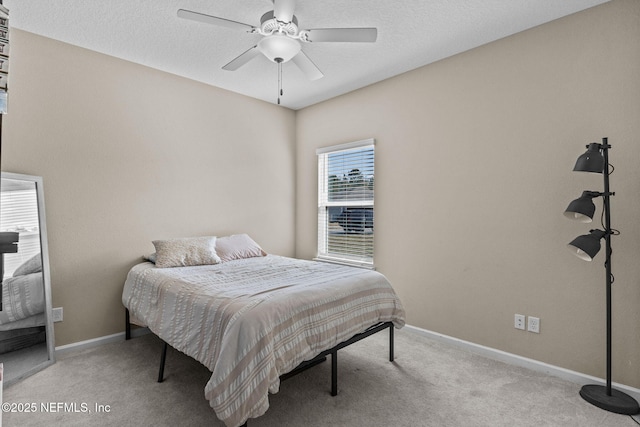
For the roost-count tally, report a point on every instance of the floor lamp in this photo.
(596, 160)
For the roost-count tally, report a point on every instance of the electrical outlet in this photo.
(57, 314)
(519, 321)
(533, 324)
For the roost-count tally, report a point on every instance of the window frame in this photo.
(324, 203)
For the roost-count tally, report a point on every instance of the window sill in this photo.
(345, 262)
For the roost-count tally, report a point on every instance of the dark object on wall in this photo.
(596, 160)
(4, 67)
(4, 57)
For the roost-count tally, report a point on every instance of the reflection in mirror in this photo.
(26, 328)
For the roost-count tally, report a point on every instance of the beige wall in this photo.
(474, 158)
(129, 154)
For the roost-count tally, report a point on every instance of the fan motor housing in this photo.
(269, 24)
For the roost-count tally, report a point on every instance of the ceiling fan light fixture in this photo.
(279, 48)
(282, 39)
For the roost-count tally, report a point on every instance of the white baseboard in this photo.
(514, 359)
(94, 342)
(492, 353)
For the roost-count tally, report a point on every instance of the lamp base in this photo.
(618, 402)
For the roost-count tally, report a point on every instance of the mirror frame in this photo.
(46, 274)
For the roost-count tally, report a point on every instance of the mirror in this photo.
(26, 327)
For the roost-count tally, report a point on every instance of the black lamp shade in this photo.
(587, 246)
(582, 208)
(591, 161)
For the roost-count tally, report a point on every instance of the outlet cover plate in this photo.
(533, 324)
(518, 321)
(57, 314)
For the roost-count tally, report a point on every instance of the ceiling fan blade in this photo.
(364, 35)
(283, 10)
(208, 19)
(307, 66)
(245, 57)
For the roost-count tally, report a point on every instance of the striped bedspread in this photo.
(22, 297)
(251, 320)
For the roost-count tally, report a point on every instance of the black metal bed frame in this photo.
(304, 365)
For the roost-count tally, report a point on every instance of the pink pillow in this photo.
(238, 246)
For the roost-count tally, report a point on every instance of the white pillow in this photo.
(30, 266)
(238, 246)
(185, 252)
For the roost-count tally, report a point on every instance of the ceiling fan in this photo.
(282, 38)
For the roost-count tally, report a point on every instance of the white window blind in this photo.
(346, 203)
(19, 212)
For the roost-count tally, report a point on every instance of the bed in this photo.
(252, 319)
(22, 317)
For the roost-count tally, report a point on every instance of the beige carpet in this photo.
(430, 384)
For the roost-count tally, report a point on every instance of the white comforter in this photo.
(250, 321)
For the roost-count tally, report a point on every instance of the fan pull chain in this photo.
(279, 79)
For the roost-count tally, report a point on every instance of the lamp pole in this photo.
(607, 239)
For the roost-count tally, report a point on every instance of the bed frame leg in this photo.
(163, 358)
(127, 326)
(391, 342)
(334, 373)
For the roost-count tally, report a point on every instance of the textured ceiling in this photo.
(411, 33)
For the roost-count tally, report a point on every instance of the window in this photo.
(19, 213)
(345, 203)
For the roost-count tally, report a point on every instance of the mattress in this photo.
(27, 322)
(251, 320)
